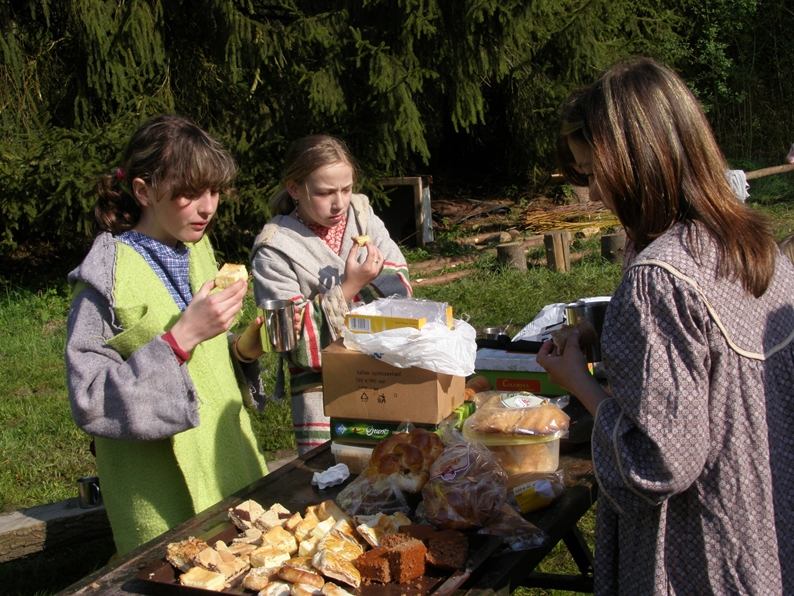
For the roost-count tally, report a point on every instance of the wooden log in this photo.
(558, 255)
(64, 523)
(512, 254)
(485, 238)
(769, 171)
(432, 265)
(613, 247)
(440, 280)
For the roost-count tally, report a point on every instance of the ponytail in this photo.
(116, 210)
(281, 203)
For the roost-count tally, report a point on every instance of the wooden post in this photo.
(558, 255)
(512, 254)
(613, 246)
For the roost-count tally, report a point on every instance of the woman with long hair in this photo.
(692, 443)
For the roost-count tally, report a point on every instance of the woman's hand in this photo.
(570, 371)
(358, 275)
(208, 315)
(249, 344)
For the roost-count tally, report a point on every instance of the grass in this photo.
(42, 452)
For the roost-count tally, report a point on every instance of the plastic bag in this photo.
(518, 533)
(467, 487)
(434, 347)
(368, 495)
(516, 413)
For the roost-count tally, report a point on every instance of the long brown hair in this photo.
(168, 153)
(303, 157)
(655, 155)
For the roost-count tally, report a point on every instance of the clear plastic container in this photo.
(355, 457)
(521, 453)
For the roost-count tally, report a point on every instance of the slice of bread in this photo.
(587, 334)
(229, 274)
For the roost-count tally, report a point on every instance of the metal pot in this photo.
(494, 334)
(594, 310)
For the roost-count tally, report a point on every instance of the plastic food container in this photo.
(355, 457)
(521, 453)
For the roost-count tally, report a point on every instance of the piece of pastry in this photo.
(229, 274)
(361, 240)
(198, 577)
(374, 527)
(182, 554)
(258, 577)
(244, 515)
(305, 590)
(339, 546)
(281, 539)
(268, 556)
(331, 565)
(328, 509)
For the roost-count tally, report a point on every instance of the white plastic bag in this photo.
(434, 347)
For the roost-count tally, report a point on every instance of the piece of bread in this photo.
(328, 509)
(276, 588)
(587, 334)
(268, 556)
(407, 457)
(229, 274)
(281, 539)
(259, 577)
(301, 576)
(305, 590)
(361, 240)
(198, 577)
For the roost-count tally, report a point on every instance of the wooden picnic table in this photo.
(291, 486)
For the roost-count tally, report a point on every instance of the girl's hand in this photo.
(297, 319)
(358, 275)
(570, 371)
(208, 315)
(249, 344)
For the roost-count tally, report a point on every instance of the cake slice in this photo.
(407, 560)
(182, 554)
(229, 274)
(373, 566)
(198, 577)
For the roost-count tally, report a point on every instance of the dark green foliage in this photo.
(467, 86)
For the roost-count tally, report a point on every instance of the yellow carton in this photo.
(389, 313)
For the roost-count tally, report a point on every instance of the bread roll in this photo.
(587, 334)
(229, 274)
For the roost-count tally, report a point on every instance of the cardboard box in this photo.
(514, 371)
(360, 387)
(369, 432)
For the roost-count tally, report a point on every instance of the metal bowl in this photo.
(494, 334)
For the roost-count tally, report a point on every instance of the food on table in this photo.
(406, 457)
(182, 554)
(406, 558)
(374, 527)
(336, 567)
(229, 274)
(587, 334)
(494, 416)
(477, 384)
(361, 240)
(333, 548)
(198, 577)
(466, 489)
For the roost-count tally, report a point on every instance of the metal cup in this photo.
(279, 327)
(88, 492)
(593, 309)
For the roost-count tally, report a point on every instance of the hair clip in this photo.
(120, 174)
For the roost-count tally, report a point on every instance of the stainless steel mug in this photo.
(88, 492)
(279, 327)
(594, 310)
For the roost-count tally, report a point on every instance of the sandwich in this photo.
(587, 334)
(229, 274)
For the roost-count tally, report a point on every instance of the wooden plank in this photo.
(32, 530)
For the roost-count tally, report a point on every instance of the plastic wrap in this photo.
(534, 490)
(518, 533)
(467, 487)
